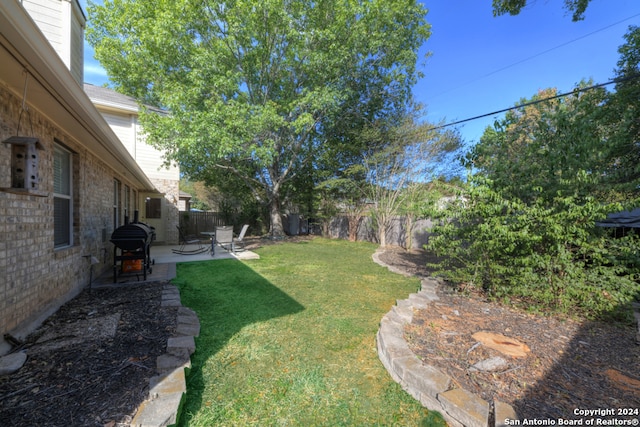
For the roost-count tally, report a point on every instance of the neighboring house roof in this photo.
(184, 195)
(628, 219)
(53, 91)
(109, 98)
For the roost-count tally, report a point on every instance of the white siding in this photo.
(122, 127)
(126, 127)
(47, 14)
(77, 46)
(62, 23)
(151, 161)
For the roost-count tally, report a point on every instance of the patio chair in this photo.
(189, 240)
(224, 237)
(238, 244)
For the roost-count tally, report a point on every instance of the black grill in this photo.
(132, 242)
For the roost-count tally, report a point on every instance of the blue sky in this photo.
(480, 64)
(470, 72)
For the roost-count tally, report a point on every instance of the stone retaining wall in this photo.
(167, 390)
(431, 387)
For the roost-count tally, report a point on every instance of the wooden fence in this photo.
(338, 227)
(397, 234)
(193, 223)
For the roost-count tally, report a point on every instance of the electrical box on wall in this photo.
(24, 162)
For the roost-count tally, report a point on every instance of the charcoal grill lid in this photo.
(131, 230)
(131, 245)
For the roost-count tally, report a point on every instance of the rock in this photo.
(185, 342)
(490, 365)
(622, 381)
(504, 414)
(178, 359)
(469, 409)
(505, 345)
(12, 362)
(419, 376)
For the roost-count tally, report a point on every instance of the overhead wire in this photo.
(539, 101)
(537, 55)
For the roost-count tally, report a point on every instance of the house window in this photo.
(127, 202)
(62, 197)
(153, 208)
(116, 204)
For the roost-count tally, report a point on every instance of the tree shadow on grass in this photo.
(227, 296)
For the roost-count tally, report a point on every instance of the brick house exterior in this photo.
(82, 178)
(121, 112)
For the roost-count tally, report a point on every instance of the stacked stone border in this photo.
(431, 387)
(167, 389)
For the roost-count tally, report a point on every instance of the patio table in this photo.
(212, 236)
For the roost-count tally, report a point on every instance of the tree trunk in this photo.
(275, 229)
(383, 224)
(353, 221)
(383, 238)
(409, 231)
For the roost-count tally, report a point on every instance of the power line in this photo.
(538, 101)
(537, 55)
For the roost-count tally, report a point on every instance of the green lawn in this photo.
(289, 339)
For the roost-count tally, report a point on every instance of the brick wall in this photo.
(35, 278)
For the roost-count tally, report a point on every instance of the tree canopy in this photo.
(257, 90)
(622, 113)
(513, 7)
(564, 135)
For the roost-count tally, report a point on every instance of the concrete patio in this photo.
(164, 264)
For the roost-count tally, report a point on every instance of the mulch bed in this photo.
(572, 364)
(90, 363)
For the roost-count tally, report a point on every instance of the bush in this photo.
(546, 255)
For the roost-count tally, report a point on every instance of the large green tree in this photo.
(548, 145)
(253, 88)
(622, 115)
(513, 7)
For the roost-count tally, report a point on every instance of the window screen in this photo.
(153, 208)
(62, 197)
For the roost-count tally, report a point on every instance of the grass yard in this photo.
(289, 339)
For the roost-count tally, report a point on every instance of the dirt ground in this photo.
(90, 363)
(570, 365)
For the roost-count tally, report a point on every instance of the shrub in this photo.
(546, 255)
